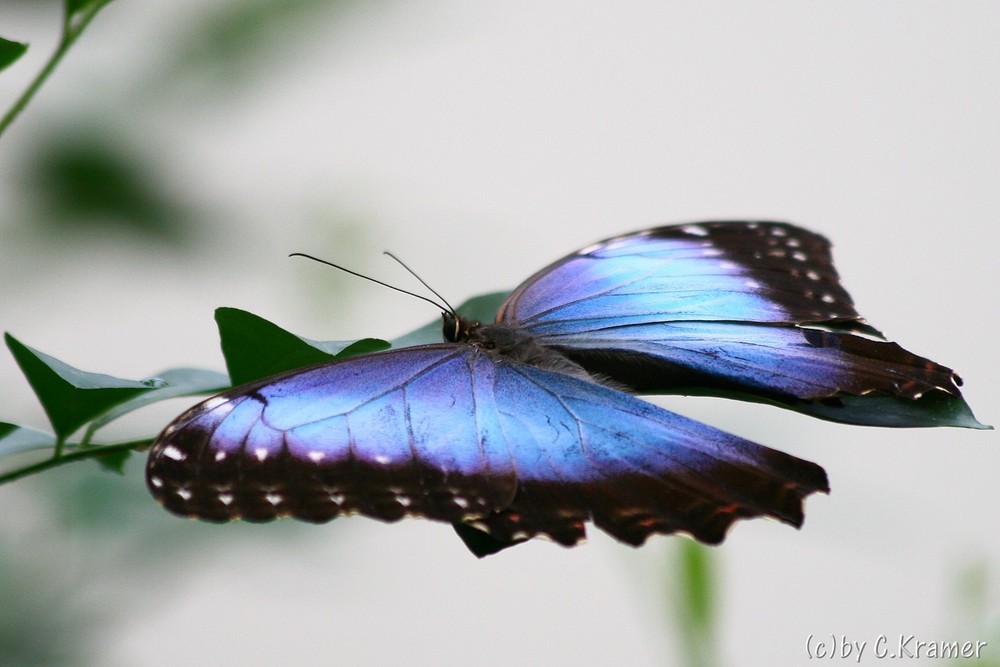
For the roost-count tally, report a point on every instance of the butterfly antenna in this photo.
(437, 305)
(414, 274)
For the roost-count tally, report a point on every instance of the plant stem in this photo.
(70, 32)
(78, 454)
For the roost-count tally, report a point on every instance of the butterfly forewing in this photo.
(746, 310)
(456, 434)
(747, 272)
(386, 436)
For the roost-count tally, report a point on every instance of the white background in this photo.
(481, 141)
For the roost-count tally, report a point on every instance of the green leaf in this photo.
(479, 308)
(10, 52)
(255, 348)
(15, 439)
(69, 396)
(168, 384)
(115, 461)
(935, 408)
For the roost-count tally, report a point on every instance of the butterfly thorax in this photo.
(514, 344)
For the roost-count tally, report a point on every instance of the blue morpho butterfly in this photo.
(528, 427)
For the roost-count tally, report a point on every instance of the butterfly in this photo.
(529, 426)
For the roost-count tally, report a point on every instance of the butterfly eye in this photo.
(451, 328)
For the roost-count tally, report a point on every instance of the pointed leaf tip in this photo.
(69, 396)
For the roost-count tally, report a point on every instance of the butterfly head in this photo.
(457, 329)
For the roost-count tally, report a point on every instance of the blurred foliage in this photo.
(37, 626)
(91, 181)
(694, 602)
(976, 609)
(232, 43)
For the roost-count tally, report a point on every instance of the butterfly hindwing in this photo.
(457, 434)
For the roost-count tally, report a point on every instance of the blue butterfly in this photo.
(529, 427)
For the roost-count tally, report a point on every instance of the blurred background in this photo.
(183, 149)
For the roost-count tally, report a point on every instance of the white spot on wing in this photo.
(156, 481)
(316, 456)
(220, 455)
(274, 498)
(260, 453)
(382, 459)
(694, 230)
(185, 494)
(226, 498)
(172, 452)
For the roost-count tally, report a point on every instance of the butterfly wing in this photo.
(746, 310)
(453, 433)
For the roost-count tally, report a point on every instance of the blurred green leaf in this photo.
(234, 40)
(73, 7)
(10, 52)
(92, 179)
(69, 396)
(695, 603)
(255, 348)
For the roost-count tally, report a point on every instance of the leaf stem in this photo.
(70, 31)
(78, 454)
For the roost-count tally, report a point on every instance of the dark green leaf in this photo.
(115, 461)
(69, 396)
(10, 52)
(15, 439)
(362, 346)
(935, 408)
(255, 348)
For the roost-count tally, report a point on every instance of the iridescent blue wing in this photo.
(453, 433)
(746, 310)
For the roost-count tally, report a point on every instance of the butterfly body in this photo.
(525, 427)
